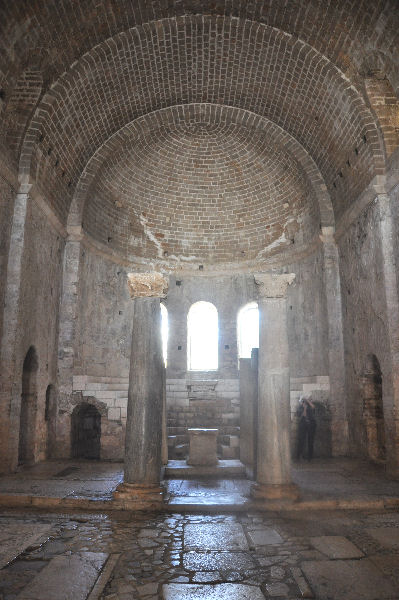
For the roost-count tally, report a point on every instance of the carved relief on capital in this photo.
(147, 285)
(273, 285)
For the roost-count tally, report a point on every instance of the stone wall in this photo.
(31, 321)
(105, 318)
(307, 318)
(364, 316)
(194, 398)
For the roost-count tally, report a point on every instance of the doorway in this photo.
(27, 421)
(86, 431)
(373, 410)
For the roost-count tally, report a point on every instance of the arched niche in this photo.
(373, 410)
(27, 422)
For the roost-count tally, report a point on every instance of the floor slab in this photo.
(385, 536)
(68, 577)
(208, 536)
(218, 561)
(348, 579)
(336, 546)
(222, 591)
(15, 537)
(265, 537)
(224, 468)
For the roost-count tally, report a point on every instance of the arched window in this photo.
(248, 329)
(164, 332)
(202, 346)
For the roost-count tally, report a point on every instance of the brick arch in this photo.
(342, 31)
(80, 400)
(306, 95)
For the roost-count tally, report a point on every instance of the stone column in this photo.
(10, 385)
(274, 419)
(391, 405)
(143, 446)
(67, 342)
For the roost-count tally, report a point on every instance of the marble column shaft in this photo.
(274, 423)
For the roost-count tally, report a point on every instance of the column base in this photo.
(268, 492)
(137, 496)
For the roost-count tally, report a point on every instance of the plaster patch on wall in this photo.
(151, 236)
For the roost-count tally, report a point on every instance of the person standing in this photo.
(306, 428)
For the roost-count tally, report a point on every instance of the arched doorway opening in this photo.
(27, 422)
(50, 419)
(373, 410)
(86, 431)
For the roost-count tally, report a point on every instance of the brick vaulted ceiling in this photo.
(74, 74)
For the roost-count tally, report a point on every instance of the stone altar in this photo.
(202, 447)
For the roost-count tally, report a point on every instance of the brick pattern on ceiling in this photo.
(198, 184)
(203, 59)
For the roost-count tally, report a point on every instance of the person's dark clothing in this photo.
(306, 431)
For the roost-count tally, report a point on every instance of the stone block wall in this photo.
(209, 403)
(109, 395)
(30, 321)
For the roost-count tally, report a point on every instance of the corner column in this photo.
(274, 420)
(336, 353)
(143, 446)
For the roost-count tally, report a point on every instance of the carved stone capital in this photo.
(273, 285)
(147, 285)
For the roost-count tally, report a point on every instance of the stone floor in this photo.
(325, 555)
(332, 483)
(181, 554)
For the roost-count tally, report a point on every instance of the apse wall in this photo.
(104, 328)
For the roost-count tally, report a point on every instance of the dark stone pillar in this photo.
(336, 357)
(144, 410)
(143, 446)
(249, 411)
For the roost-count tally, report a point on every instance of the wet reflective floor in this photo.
(346, 480)
(327, 555)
